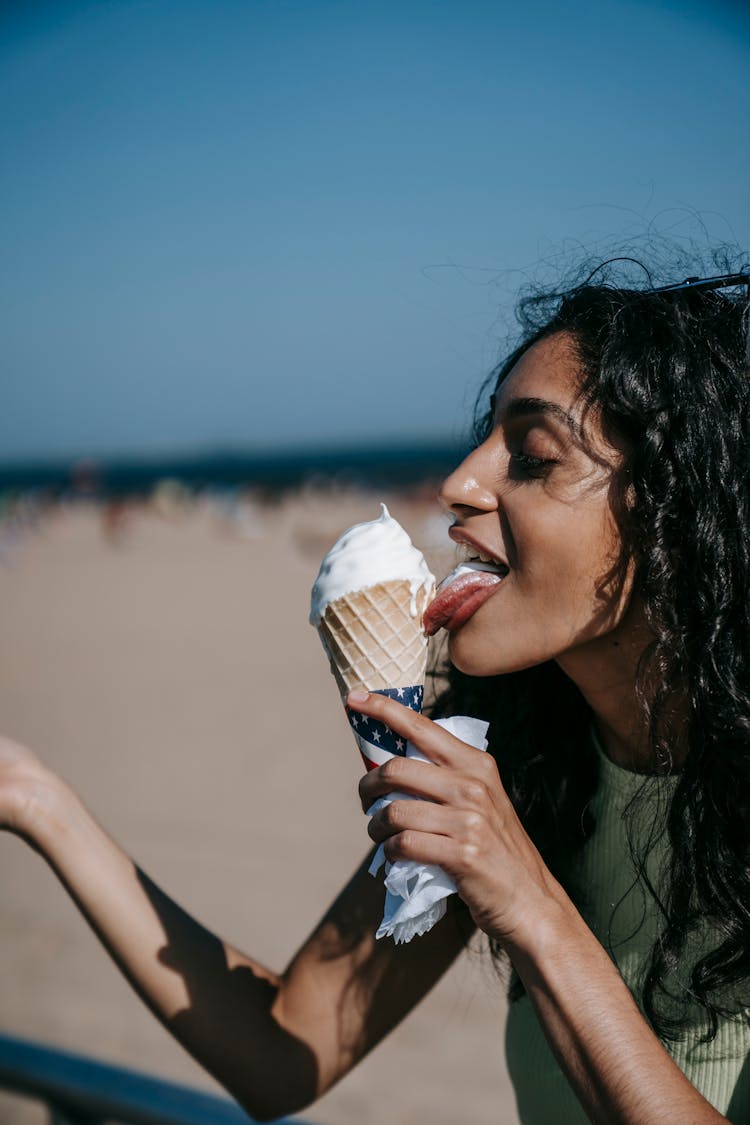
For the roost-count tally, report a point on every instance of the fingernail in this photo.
(359, 695)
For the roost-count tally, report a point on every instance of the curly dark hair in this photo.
(668, 373)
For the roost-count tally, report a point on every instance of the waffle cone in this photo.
(372, 638)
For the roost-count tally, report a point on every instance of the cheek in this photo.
(598, 582)
(572, 560)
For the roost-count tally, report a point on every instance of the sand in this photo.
(163, 664)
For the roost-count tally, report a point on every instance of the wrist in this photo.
(545, 929)
(42, 804)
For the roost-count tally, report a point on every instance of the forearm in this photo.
(617, 1066)
(223, 1007)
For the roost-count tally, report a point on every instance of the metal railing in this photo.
(79, 1090)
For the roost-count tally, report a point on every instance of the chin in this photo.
(473, 661)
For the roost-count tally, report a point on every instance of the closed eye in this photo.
(531, 466)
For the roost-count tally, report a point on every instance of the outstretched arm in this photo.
(276, 1041)
(617, 1066)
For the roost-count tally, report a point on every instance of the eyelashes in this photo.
(530, 466)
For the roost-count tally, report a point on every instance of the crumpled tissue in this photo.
(416, 893)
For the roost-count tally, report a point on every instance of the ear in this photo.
(629, 497)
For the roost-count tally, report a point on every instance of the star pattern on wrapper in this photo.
(379, 734)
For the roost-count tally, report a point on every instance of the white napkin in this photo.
(416, 893)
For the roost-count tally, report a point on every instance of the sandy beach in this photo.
(162, 662)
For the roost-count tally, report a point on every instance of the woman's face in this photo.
(537, 496)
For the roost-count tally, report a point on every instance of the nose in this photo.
(463, 491)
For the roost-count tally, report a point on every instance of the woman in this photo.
(603, 845)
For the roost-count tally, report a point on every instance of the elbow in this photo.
(267, 1068)
(273, 1086)
(273, 1105)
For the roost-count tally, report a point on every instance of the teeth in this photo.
(469, 554)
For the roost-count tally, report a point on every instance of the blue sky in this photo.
(257, 223)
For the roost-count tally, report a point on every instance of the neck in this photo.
(605, 672)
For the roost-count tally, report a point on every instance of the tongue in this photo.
(453, 594)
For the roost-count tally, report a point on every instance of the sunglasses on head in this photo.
(720, 281)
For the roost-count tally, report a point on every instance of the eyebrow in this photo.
(522, 407)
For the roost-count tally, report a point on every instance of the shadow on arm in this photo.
(278, 1042)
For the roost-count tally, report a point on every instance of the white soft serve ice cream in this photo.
(365, 555)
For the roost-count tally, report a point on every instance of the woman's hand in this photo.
(466, 823)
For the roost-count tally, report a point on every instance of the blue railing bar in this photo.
(79, 1089)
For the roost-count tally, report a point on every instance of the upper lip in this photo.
(461, 535)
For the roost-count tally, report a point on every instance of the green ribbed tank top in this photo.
(619, 911)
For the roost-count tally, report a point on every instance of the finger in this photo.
(422, 816)
(408, 775)
(436, 743)
(432, 783)
(453, 856)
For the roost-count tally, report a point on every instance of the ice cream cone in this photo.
(374, 637)
(367, 604)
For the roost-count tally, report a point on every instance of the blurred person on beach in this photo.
(603, 843)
